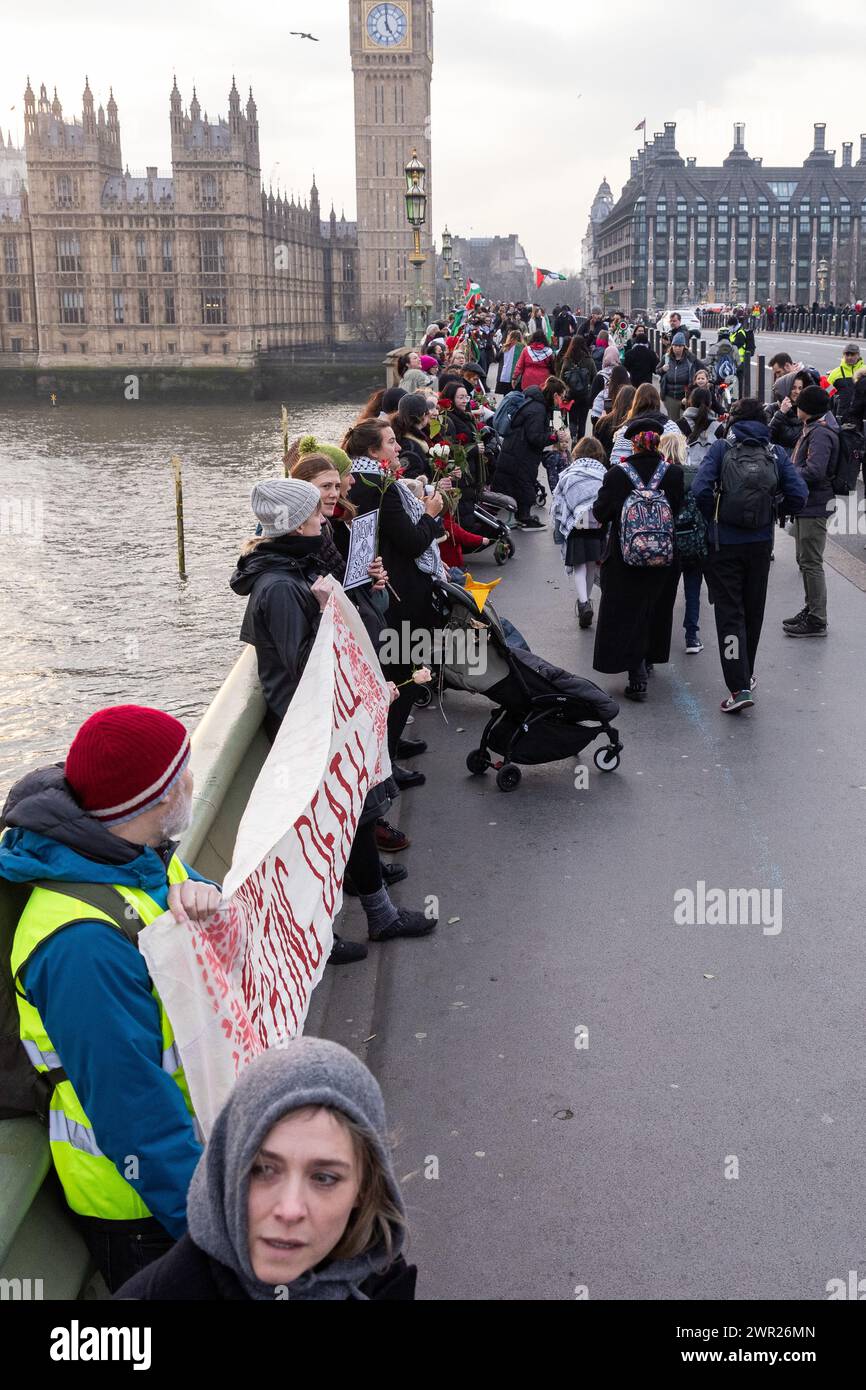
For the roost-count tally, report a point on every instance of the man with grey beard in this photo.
(91, 842)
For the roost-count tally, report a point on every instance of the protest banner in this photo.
(241, 983)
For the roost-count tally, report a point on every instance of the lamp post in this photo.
(734, 290)
(447, 253)
(416, 214)
(823, 271)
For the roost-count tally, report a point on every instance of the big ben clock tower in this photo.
(392, 59)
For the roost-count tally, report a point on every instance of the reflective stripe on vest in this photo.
(50, 1060)
(92, 1183)
(62, 1130)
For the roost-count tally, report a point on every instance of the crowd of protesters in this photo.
(652, 485)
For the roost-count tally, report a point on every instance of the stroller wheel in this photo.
(424, 696)
(607, 759)
(503, 550)
(508, 777)
(540, 494)
(477, 762)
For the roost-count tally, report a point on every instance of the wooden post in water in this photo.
(178, 502)
(284, 425)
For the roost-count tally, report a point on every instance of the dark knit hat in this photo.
(813, 402)
(124, 760)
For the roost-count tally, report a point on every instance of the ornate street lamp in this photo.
(734, 290)
(823, 271)
(416, 215)
(447, 253)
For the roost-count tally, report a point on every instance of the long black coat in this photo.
(187, 1274)
(637, 605)
(517, 469)
(401, 541)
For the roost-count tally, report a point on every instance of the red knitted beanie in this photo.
(125, 759)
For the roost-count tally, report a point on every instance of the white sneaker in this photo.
(694, 646)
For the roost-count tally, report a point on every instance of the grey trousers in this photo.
(810, 535)
(673, 408)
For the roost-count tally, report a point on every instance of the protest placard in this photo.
(241, 983)
(362, 550)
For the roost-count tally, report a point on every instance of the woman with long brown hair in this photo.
(614, 418)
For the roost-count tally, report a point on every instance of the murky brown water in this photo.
(92, 611)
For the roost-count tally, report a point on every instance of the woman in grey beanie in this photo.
(295, 1197)
(276, 572)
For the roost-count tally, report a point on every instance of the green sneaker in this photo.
(741, 699)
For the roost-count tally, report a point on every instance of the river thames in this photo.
(92, 611)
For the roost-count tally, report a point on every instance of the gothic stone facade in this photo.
(192, 269)
(680, 234)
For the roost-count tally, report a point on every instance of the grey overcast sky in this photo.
(532, 104)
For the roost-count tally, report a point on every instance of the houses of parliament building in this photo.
(205, 267)
(201, 267)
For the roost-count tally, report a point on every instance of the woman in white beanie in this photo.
(276, 573)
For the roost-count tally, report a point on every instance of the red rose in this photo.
(462, 438)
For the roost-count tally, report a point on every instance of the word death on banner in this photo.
(241, 982)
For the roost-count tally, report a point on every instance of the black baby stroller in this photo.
(543, 714)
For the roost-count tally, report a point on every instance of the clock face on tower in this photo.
(387, 25)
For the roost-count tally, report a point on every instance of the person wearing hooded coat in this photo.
(522, 448)
(637, 604)
(276, 574)
(244, 1201)
(534, 365)
(459, 425)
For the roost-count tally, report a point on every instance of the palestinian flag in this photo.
(547, 277)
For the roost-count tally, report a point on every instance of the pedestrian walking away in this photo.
(576, 530)
(637, 602)
(736, 488)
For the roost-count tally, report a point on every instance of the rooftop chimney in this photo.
(862, 160)
(739, 135)
(847, 153)
(634, 166)
(670, 135)
(820, 133)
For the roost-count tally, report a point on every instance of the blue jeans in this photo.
(692, 579)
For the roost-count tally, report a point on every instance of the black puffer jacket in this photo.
(677, 376)
(282, 615)
(527, 437)
(785, 427)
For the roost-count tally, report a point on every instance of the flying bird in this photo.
(295, 34)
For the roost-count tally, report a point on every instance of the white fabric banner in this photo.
(242, 982)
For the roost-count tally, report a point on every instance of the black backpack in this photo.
(852, 447)
(843, 465)
(578, 380)
(23, 1089)
(748, 485)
